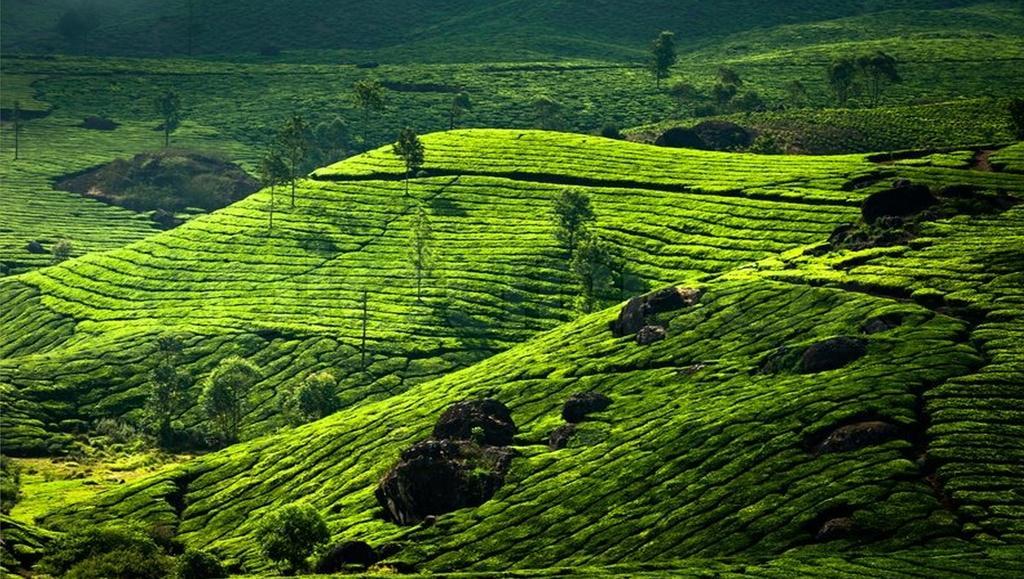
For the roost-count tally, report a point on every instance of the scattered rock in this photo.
(35, 247)
(831, 354)
(340, 555)
(560, 437)
(439, 476)
(858, 435)
(903, 200)
(634, 314)
(491, 416)
(882, 323)
(578, 406)
(650, 334)
(99, 124)
(833, 529)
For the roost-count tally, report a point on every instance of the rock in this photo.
(901, 183)
(902, 201)
(578, 406)
(428, 521)
(99, 124)
(560, 437)
(882, 323)
(679, 138)
(439, 476)
(634, 314)
(833, 529)
(340, 555)
(858, 435)
(831, 354)
(35, 247)
(650, 334)
(491, 416)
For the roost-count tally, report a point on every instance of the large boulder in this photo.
(560, 437)
(651, 334)
(492, 418)
(903, 200)
(635, 313)
(439, 476)
(578, 406)
(833, 529)
(831, 354)
(858, 435)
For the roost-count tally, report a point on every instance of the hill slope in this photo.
(711, 447)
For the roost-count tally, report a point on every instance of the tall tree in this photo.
(573, 214)
(16, 118)
(168, 106)
(410, 149)
(169, 382)
(225, 396)
(592, 267)
(663, 56)
(842, 77)
(878, 70)
(460, 104)
(1016, 110)
(368, 95)
(76, 24)
(421, 249)
(549, 113)
(273, 171)
(293, 142)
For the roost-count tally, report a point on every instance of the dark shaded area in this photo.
(651, 334)
(348, 553)
(492, 419)
(560, 437)
(882, 323)
(578, 406)
(903, 200)
(858, 435)
(99, 124)
(832, 354)
(399, 86)
(708, 136)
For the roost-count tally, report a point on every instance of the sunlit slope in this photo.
(77, 340)
(705, 451)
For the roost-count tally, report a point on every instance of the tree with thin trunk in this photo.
(878, 70)
(169, 382)
(225, 396)
(410, 149)
(842, 77)
(592, 267)
(369, 97)
(168, 106)
(273, 171)
(16, 118)
(663, 56)
(421, 250)
(364, 305)
(573, 214)
(293, 142)
(460, 104)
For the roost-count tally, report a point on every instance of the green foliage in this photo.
(573, 215)
(369, 96)
(225, 396)
(684, 93)
(77, 23)
(169, 383)
(293, 144)
(549, 114)
(421, 249)
(729, 76)
(290, 534)
(842, 78)
(663, 56)
(10, 485)
(461, 103)
(312, 399)
(796, 93)
(109, 552)
(409, 149)
(62, 251)
(168, 107)
(198, 564)
(591, 267)
(877, 71)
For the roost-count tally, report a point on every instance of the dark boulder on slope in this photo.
(651, 334)
(340, 555)
(492, 418)
(858, 435)
(903, 200)
(634, 315)
(578, 406)
(832, 354)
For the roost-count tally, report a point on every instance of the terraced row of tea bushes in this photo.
(698, 428)
(34, 212)
(290, 299)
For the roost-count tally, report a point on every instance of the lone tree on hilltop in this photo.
(409, 148)
(168, 106)
(293, 142)
(1016, 110)
(421, 249)
(225, 396)
(290, 534)
(549, 113)
(76, 24)
(460, 104)
(368, 95)
(663, 56)
(169, 382)
(573, 214)
(273, 172)
(878, 71)
(842, 78)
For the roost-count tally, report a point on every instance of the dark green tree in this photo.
(683, 93)
(573, 215)
(591, 266)
(369, 96)
(312, 399)
(61, 251)
(10, 485)
(76, 24)
(1016, 110)
(273, 172)
(663, 56)
(293, 144)
(168, 384)
(723, 94)
(548, 112)
(460, 104)
(225, 396)
(842, 79)
(796, 94)
(421, 249)
(409, 148)
(289, 535)
(198, 564)
(168, 106)
(727, 75)
(878, 71)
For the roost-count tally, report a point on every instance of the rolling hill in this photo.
(712, 448)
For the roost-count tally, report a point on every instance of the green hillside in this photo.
(700, 455)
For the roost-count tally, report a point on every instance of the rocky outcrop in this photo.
(560, 437)
(903, 200)
(858, 435)
(651, 334)
(492, 418)
(635, 314)
(831, 354)
(578, 406)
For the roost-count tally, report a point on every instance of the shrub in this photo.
(10, 485)
(290, 534)
(62, 251)
(197, 564)
(611, 132)
(105, 553)
(313, 399)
